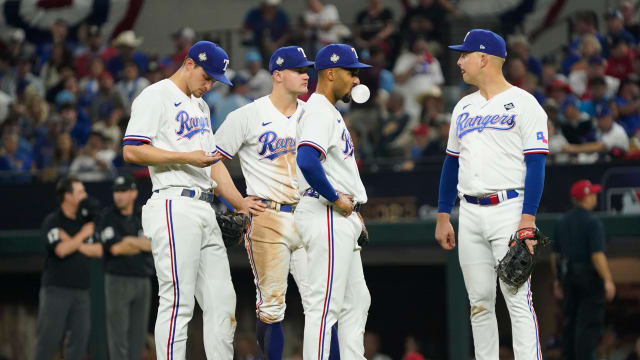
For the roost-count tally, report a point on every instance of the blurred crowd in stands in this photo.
(64, 104)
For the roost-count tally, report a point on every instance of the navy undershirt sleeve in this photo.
(134, 142)
(533, 182)
(448, 184)
(308, 160)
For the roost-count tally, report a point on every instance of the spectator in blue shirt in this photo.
(269, 26)
(15, 167)
(628, 104)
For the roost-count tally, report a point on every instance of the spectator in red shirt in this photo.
(621, 58)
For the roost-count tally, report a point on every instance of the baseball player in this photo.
(263, 134)
(327, 215)
(170, 131)
(495, 164)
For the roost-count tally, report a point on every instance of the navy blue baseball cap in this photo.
(338, 55)
(288, 57)
(484, 41)
(212, 58)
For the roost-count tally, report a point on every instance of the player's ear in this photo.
(484, 60)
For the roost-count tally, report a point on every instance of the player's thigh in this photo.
(473, 247)
(270, 265)
(506, 217)
(176, 229)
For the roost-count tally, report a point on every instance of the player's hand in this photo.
(557, 290)
(445, 236)
(252, 205)
(344, 204)
(609, 290)
(201, 159)
(528, 221)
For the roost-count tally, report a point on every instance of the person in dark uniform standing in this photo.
(582, 274)
(128, 267)
(64, 306)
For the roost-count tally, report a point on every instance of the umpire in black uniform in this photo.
(64, 306)
(582, 273)
(128, 268)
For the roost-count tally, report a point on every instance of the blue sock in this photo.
(270, 339)
(334, 353)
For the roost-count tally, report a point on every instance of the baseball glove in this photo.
(233, 227)
(517, 265)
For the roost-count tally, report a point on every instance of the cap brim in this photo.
(356, 65)
(596, 189)
(221, 78)
(458, 48)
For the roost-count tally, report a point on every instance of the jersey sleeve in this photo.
(315, 129)
(453, 143)
(232, 134)
(108, 232)
(51, 233)
(533, 130)
(146, 114)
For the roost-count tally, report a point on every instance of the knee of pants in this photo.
(482, 304)
(363, 299)
(271, 309)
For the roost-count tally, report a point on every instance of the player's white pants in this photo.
(275, 249)
(339, 292)
(483, 235)
(190, 260)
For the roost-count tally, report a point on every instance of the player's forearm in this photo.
(65, 248)
(123, 248)
(150, 155)
(602, 267)
(69, 244)
(140, 243)
(448, 189)
(226, 188)
(585, 148)
(91, 250)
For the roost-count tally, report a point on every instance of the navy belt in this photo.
(490, 199)
(312, 193)
(204, 196)
(279, 207)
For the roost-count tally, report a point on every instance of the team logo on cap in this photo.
(482, 47)
(279, 61)
(202, 56)
(334, 58)
(120, 180)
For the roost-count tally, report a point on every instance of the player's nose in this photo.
(209, 84)
(356, 81)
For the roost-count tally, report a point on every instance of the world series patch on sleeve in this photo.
(517, 265)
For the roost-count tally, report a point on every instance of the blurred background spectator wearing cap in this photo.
(127, 44)
(128, 266)
(238, 97)
(582, 277)
(610, 137)
(259, 79)
(416, 72)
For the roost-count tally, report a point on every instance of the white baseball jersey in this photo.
(265, 140)
(491, 138)
(322, 127)
(165, 117)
